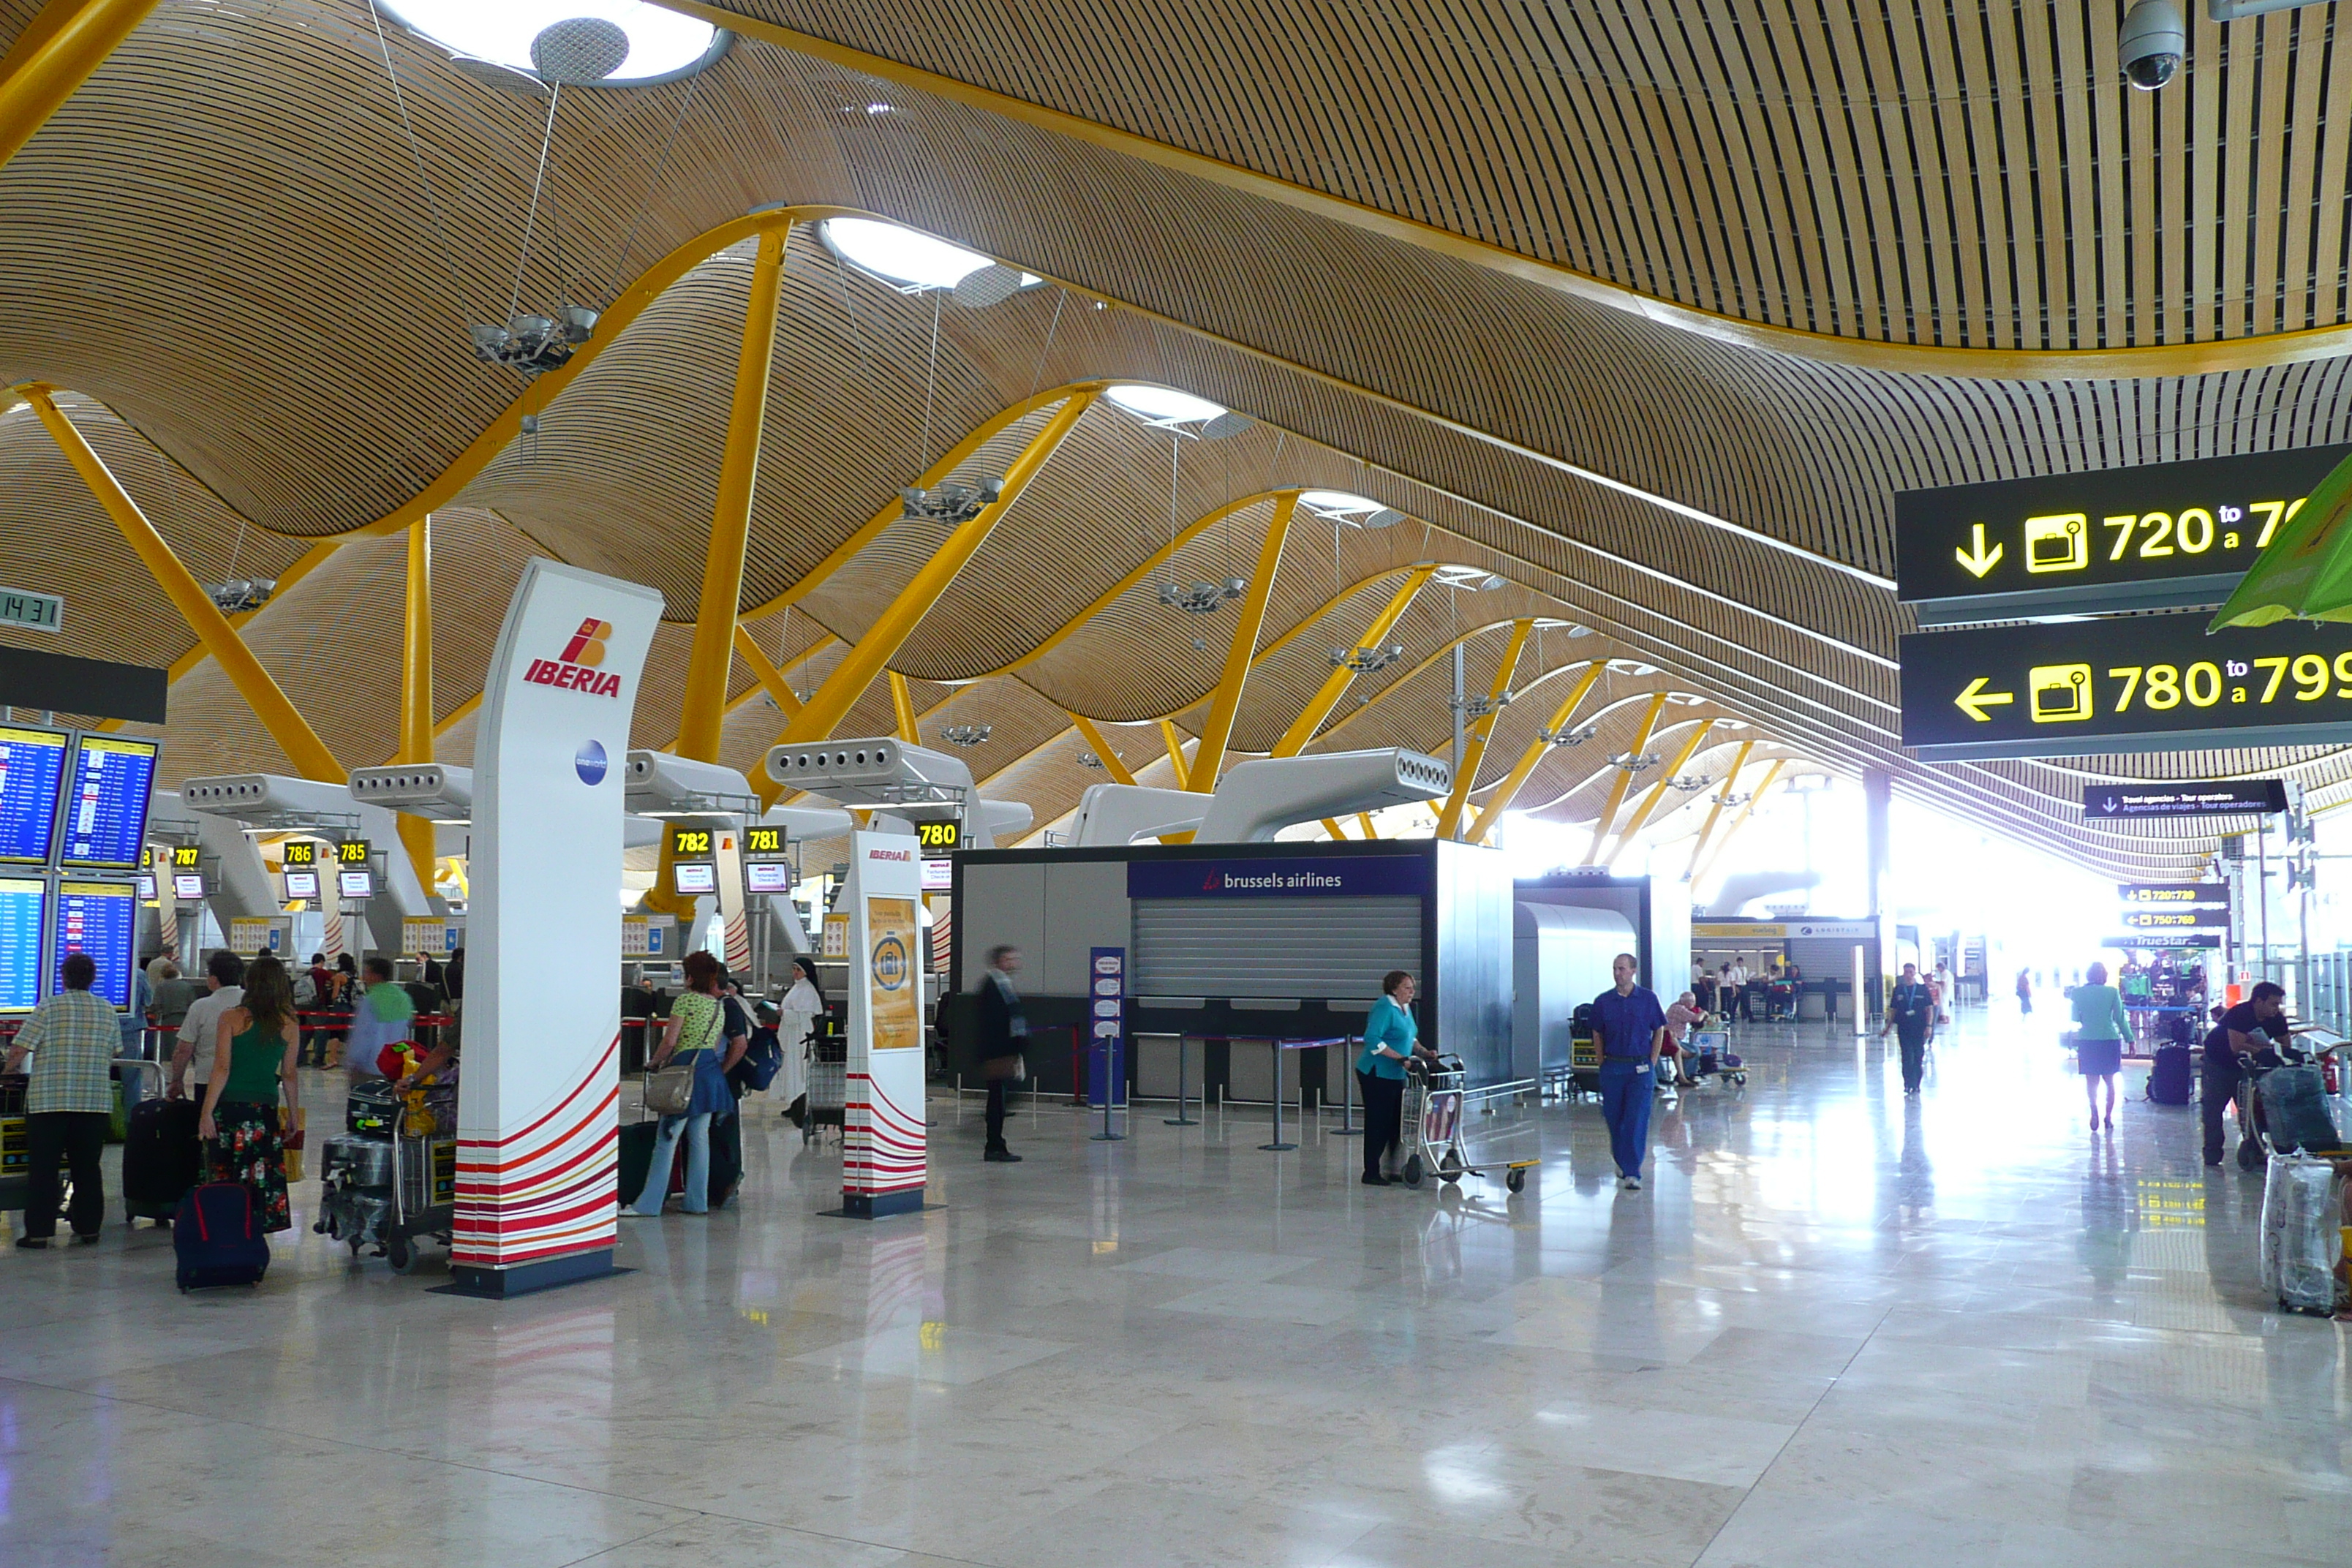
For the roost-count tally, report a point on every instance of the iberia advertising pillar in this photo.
(538, 1095)
(883, 1140)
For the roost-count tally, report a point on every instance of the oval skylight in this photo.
(904, 256)
(1163, 404)
(1342, 506)
(663, 45)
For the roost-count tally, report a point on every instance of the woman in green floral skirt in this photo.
(254, 1054)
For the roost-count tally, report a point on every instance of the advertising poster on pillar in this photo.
(537, 1101)
(883, 1152)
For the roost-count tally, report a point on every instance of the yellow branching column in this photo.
(1507, 792)
(1658, 792)
(54, 55)
(416, 691)
(1482, 729)
(1624, 779)
(1209, 760)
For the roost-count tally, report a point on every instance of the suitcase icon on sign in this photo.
(2058, 544)
(2061, 693)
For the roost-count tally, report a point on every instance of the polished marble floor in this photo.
(1837, 1328)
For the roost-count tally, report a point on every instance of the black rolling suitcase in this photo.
(636, 1153)
(2169, 1082)
(160, 1158)
(218, 1238)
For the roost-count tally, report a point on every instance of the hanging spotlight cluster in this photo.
(532, 345)
(239, 595)
(1202, 599)
(966, 735)
(952, 503)
(1569, 737)
(1689, 782)
(1090, 761)
(1742, 798)
(1479, 706)
(1366, 661)
(1634, 764)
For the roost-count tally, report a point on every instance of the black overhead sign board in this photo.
(60, 683)
(2166, 536)
(2218, 797)
(2138, 683)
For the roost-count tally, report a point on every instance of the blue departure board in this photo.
(101, 918)
(106, 803)
(32, 768)
(23, 918)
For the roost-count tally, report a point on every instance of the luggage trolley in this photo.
(1433, 1126)
(393, 1176)
(1707, 1053)
(828, 1086)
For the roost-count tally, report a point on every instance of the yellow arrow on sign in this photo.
(1978, 561)
(1976, 699)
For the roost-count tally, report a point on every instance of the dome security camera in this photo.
(2152, 41)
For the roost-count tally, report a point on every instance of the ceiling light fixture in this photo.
(239, 595)
(966, 735)
(913, 262)
(1088, 759)
(1689, 782)
(1479, 706)
(1354, 510)
(1568, 737)
(654, 44)
(1366, 660)
(1202, 599)
(532, 345)
(950, 503)
(1633, 763)
(1742, 798)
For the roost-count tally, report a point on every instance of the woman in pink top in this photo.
(1681, 1018)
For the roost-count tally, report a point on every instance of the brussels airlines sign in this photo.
(1328, 877)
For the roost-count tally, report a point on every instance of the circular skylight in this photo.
(663, 45)
(1340, 506)
(1163, 404)
(904, 256)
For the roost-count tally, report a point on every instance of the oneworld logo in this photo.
(576, 668)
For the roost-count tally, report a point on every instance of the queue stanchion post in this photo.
(1277, 1146)
(1180, 1119)
(1347, 1128)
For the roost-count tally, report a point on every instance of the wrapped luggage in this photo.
(2301, 1237)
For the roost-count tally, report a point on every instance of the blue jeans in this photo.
(1626, 1092)
(697, 1164)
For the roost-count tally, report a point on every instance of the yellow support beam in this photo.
(1364, 819)
(1624, 778)
(1226, 705)
(890, 633)
(1174, 741)
(304, 749)
(1745, 812)
(711, 662)
(1523, 769)
(416, 692)
(1332, 827)
(1117, 770)
(1707, 829)
(1658, 790)
(1335, 684)
(902, 705)
(1474, 743)
(763, 670)
(54, 55)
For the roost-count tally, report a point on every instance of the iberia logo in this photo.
(576, 669)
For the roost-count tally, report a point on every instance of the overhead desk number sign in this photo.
(2142, 683)
(2165, 536)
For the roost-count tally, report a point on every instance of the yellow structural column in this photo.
(1724, 843)
(1174, 741)
(1714, 811)
(1507, 792)
(54, 55)
(763, 669)
(278, 716)
(1624, 778)
(416, 692)
(1658, 790)
(1209, 760)
(1118, 771)
(902, 704)
(711, 663)
(1335, 684)
(1481, 728)
(890, 631)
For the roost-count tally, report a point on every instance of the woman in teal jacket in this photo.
(1389, 1043)
(2101, 1027)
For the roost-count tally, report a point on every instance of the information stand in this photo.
(884, 1154)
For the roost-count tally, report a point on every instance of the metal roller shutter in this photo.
(1307, 948)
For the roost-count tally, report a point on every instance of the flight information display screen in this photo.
(23, 903)
(32, 772)
(106, 803)
(101, 918)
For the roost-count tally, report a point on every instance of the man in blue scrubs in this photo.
(1632, 1027)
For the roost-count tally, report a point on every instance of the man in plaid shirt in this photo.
(72, 1039)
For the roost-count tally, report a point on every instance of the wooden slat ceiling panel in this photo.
(1833, 172)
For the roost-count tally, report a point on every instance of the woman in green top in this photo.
(254, 1053)
(1389, 1037)
(2101, 1027)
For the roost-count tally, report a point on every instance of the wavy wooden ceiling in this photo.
(222, 239)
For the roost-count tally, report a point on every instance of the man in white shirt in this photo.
(199, 1031)
(1738, 1006)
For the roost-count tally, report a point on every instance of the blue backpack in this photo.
(763, 1060)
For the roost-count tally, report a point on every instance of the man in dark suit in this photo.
(1003, 1035)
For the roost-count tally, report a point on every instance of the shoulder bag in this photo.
(670, 1089)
